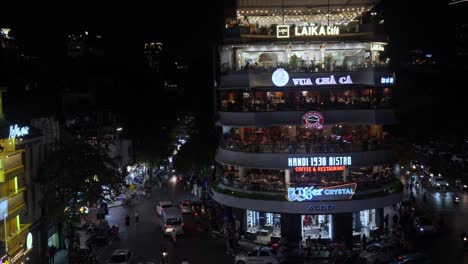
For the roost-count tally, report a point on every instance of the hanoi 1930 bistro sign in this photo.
(319, 161)
(312, 193)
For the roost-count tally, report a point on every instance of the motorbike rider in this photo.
(127, 220)
(164, 254)
(464, 237)
(174, 235)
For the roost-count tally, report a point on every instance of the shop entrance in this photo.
(316, 226)
(365, 222)
(263, 227)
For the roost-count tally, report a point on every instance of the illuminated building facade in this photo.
(15, 239)
(304, 101)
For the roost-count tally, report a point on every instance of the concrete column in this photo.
(241, 172)
(292, 133)
(226, 129)
(343, 228)
(379, 219)
(345, 174)
(291, 227)
(287, 177)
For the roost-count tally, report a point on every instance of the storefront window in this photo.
(365, 222)
(316, 225)
(265, 225)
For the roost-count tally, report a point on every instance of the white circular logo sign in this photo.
(29, 241)
(280, 77)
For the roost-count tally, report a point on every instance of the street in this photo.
(145, 238)
(445, 247)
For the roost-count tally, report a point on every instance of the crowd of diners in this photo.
(274, 180)
(264, 101)
(331, 138)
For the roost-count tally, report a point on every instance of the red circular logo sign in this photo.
(312, 119)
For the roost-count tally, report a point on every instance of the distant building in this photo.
(458, 39)
(153, 52)
(84, 44)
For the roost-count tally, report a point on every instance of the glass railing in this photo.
(364, 103)
(260, 185)
(304, 68)
(301, 148)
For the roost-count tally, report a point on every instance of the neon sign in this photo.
(312, 119)
(282, 31)
(320, 169)
(16, 131)
(317, 31)
(386, 80)
(319, 161)
(280, 77)
(323, 80)
(377, 47)
(339, 192)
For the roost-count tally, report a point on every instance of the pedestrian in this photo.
(299, 246)
(53, 251)
(308, 245)
(364, 240)
(137, 216)
(395, 220)
(386, 222)
(48, 254)
(317, 243)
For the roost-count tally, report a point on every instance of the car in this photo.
(457, 158)
(163, 204)
(121, 256)
(196, 207)
(186, 207)
(171, 219)
(379, 253)
(462, 184)
(413, 258)
(259, 255)
(439, 182)
(424, 225)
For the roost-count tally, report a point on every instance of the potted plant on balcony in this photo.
(328, 60)
(272, 29)
(293, 62)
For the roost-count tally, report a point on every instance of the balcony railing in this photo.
(280, 187)
(273, 107)
(297, 148)
(303, 67)
(10, 164)
(16, 200)
(15, 241)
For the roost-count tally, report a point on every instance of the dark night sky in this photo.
(41, 26)
(125, 26)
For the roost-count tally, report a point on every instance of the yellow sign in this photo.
(131, 187)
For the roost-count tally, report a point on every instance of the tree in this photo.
(76, 176)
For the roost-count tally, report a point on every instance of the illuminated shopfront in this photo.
(263, 225)
(365, 222)
(314, 226)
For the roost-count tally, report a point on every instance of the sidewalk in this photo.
(246, 245)
(61, 257)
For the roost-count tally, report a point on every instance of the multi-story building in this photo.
(304, 102)
(15, 239)
(41, 142)
(153, 52)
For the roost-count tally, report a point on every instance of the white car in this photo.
(260, 255)
(186, 207)
(379, 253)
(121, 256)
(439, 182)
(457, 158)
(424, 225)
(163, 204)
